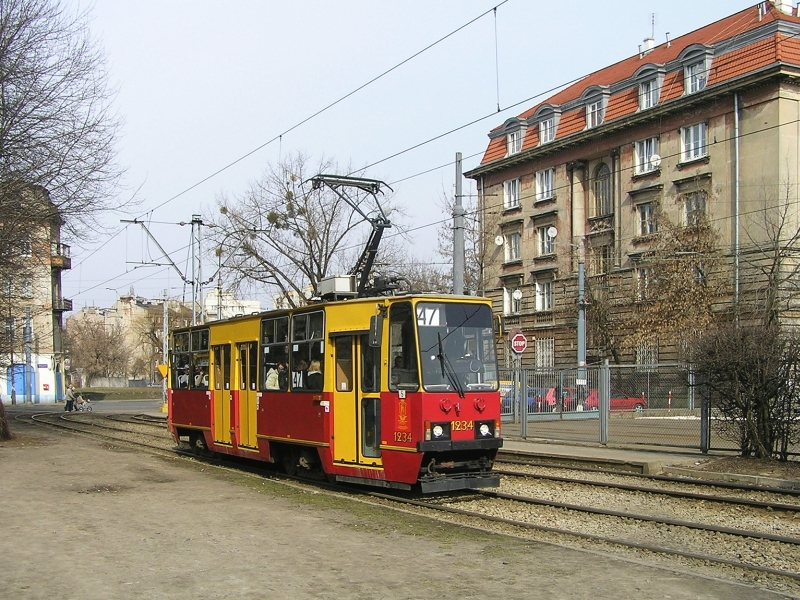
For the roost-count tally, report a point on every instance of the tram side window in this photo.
(200, 363)
(274, 354)
(370, 366)
(371, 425)
(344, 364)
(403, 373)
(222, 367)
(181, 361)
(308, 351)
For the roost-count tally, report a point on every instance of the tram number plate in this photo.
(463, 425)
(402, 436)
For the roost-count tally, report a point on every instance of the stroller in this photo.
(82, 404)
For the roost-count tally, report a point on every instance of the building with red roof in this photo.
(704, 130)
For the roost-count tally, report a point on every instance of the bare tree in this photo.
(96, 348)
(679, 283)
(286, 235)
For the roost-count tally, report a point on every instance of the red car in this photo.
(619, 401)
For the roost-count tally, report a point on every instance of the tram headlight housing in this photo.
(486, 429)
(437, 431)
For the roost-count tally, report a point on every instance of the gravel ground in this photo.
(91, 519)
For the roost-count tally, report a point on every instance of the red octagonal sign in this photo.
(518, 343)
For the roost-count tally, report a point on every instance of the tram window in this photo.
(344, 364)
(273, 368)
(180, 342)
(181, 371)
(275, 331)
(299, 328)
(370, 366)
(200, 370)
(371, 427)
(243, 367)
(200, 340)
(308, 352)
(403, 373)
(252, 363)
(226, 367)
(217, 367)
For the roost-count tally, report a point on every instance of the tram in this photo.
(396, 391)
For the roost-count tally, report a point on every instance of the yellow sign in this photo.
(162, 368)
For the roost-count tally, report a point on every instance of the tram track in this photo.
(740, 554)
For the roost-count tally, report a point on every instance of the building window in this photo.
(547, 130)
(546, 352)
(648, 94)
(544, 243)
(514, 142)
(594, 114)
(647, 218)
(601, 260)
(602, 191)
(644, 283)
(25, 245)
(26, 289)
(694, 207)
(696, 77)
(647, 357)
(694, 142)
(544, 185)
(511, 194)
(645, 151)
(544, 295)
(511, 305)
(512, 247)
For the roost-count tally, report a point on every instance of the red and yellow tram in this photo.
(388, 391)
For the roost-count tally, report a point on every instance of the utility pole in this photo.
(197, 266)
(458, 234)
(27, 338)
(164, 357)
(10, 329)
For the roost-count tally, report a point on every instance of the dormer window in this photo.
(594, 114)
(696, 60)
(596, 100)
(648, 94)
(649, 78)
(696, 77)
(547, 130)
(513, 142)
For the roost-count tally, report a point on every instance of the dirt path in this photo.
(86, 520)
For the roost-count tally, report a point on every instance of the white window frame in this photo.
(545, 352)
(644, 283)
(594, 113)
(647, 357)
(547, 130)
(513, 142)
(694, 206)
(544, 243)
(544, 295)
(544, 184)
(511, 194)
(648, 94)
(645, 150)
(26, 289)
(694, 142)
(696, 77)
(646, 213)
(511, 306)
(513, 247)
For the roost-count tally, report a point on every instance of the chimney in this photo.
(649, 44)
(785, 6)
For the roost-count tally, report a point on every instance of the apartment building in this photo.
(701, 128)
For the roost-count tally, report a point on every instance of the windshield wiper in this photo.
(448, 370)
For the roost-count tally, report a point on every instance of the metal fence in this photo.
(653, 405)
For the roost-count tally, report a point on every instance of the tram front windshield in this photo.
(456, 344)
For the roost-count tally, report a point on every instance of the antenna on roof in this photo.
(668, 42)
(649, 42)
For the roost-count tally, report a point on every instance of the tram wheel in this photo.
(198, 444)
(289, 459)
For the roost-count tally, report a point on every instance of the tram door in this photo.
(248, 379)
(222, 393)
(356, 415)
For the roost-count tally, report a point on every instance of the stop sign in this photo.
(518, 343)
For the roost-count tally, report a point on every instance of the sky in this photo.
(203, 85)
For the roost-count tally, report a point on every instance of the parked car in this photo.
(620, 401)
(539, 400)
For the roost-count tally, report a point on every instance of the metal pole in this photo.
(13, 370)
(26, 338)
(458, 234)
(164, 357)
(581, 382)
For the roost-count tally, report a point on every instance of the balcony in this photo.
(59, 256)
(62, 305)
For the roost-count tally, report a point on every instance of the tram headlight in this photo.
(485, 429)
(437, 431)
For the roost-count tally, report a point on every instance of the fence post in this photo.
(604, 400)
(705, 416)
(523, 405)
